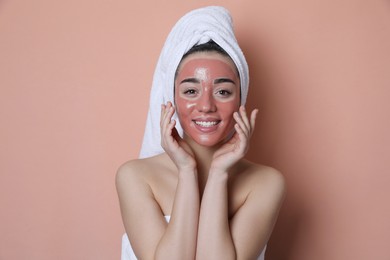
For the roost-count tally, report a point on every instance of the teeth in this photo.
(206, 124)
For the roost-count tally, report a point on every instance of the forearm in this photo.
(179, 239)
(214, 237)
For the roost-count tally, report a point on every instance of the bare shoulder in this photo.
(138, 171)
(268, 182)
(258, 176)
(270, 177)
(261, 185)
(139, 193)
(151, 179)
(129, 179)
(257, 193)
(131, 171)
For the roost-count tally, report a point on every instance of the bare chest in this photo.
(164, 190)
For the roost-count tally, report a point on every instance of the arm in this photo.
(252, 224)
(179, 240)
(151, 236)
(244, 235)
(214, 238)
(249, 229)
(247, 232)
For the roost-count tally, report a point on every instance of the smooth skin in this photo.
(221, 205)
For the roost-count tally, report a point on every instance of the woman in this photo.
(199, 198)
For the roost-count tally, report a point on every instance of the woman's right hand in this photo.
(176, 148)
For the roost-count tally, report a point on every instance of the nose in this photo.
(206, 103)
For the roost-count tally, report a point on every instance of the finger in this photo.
(169, 104)
(169, 111)
(166, 129)
(162, 114)
(241, 123)
(170, 123)
(242, 137)
(169, 129)
(167, 134)
(175, 134)
(253, 119)
(244, 116)
(162, 110)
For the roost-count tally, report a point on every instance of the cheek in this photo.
(189, 105)
(226, 109)
(184, 107)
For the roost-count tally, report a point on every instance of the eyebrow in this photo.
(190, 80)
(223, 80)
(217, 81)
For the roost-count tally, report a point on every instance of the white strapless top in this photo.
(128, 253)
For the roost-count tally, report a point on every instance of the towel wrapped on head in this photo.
(196, 27)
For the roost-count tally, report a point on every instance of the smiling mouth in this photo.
(206, 123)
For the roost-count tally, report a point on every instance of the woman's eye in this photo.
(223, 92)
(190, 92)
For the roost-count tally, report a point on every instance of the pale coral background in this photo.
(74, 85)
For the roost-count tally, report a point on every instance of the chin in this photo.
(207, 143)
(209, 140)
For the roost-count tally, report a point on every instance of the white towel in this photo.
(196, 27)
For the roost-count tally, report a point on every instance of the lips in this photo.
(206, 125)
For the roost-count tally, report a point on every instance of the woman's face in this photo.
(207, 93)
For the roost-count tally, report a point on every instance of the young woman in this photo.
(200, 199)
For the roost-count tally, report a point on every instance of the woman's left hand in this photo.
(236, 148)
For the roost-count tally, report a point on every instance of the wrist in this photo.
(218, 172)
(187, 166)
(187, 171)
(218, 168)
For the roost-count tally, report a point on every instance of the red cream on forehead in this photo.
(207, 68)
